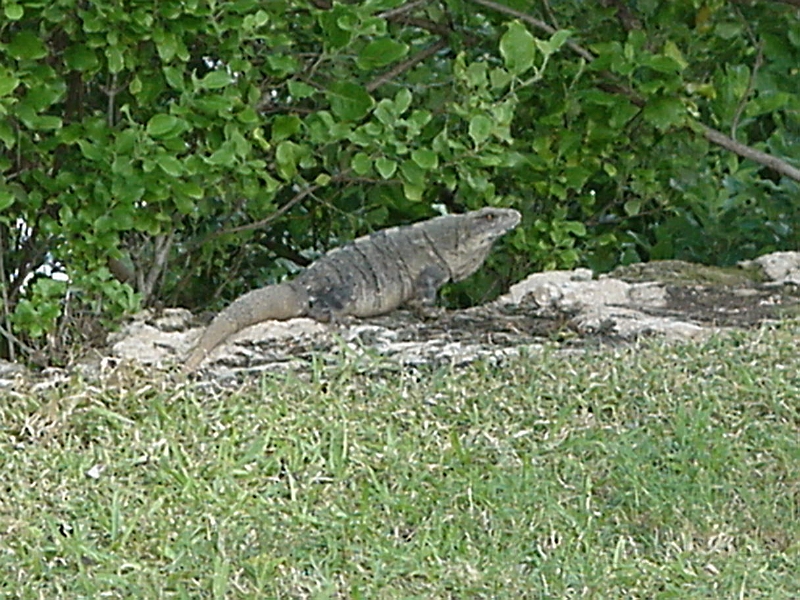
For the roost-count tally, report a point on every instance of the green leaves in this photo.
(300, 90)
(385, 167)
(38, 315)
(6, 198)
(517, 48)
(8, 81)
(349, 101)
(13, 12)
(284, 127)
(224, 156)
(164, 126)
(480, 128)
(425, 159)
(665, 113)
(115, 59)
(81, 58)
(215, 80)
(334, 24)
(26, 45)
(167, 45)
(287, 156)
(380, 53)
(553, 45)
(361, 164)
(170, 165)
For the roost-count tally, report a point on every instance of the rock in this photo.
(172, 319)
(780, 267)
(567, 291)
(672, 299)
(11, 374)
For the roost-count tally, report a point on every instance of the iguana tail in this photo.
(283, 301)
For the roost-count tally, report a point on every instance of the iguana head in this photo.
(476, 231)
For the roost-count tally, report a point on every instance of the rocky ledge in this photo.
(673, 299)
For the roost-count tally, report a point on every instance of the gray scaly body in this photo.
(373, 275)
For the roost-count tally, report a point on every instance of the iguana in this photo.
(370, 276)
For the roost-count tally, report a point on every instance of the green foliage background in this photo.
(169, 153)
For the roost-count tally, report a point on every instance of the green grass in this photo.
(651, 472)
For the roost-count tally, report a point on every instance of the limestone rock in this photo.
(673, 299)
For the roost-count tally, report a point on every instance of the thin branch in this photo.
(406, 65)
(541, 25)
(626, 18)
(789, 2)
(401, 10)
(12, 340)
(426, 24)
(111, 90)
(773, 162)
(3, 289)
(402, 16)
(550, 14)
(163, 244)
(342, 177)
(297, 198)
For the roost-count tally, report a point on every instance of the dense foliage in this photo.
(170, 152)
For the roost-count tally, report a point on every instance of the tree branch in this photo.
(4, 318)
(403, 9)
(626, 18)
(162, 246)
(538, 24)
(789, 2)
(773, 162)
(298, 197)
(426, 24)
(406, 65)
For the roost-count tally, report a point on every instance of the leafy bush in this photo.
(176, 150)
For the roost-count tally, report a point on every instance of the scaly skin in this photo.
(371, 276)
(272, 302)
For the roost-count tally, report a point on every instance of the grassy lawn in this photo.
(650, 472)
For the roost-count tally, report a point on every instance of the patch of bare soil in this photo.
(724, 306)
